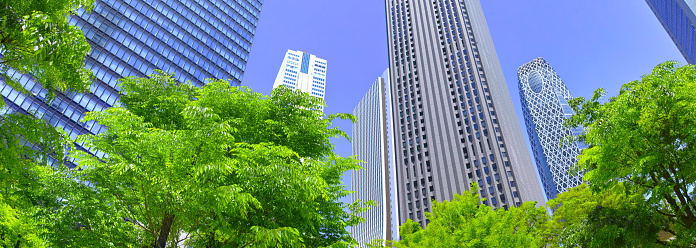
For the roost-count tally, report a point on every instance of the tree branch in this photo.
(666, 214)
(639, 183)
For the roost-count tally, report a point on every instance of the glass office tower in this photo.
(194, 39)
(454, 121)
(678, 18)
(545, 107)
(303, 71)
(371, 144)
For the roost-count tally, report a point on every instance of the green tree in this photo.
(464, 222)
(610, 218)
(646, 138)
(27, 149)
(36, 39)
(220, 166)
(17, 229)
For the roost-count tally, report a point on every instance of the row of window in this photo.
(225, 28)
(139, 49)
(64, 116)
(200, 24)
(679, 24)
(181, 24)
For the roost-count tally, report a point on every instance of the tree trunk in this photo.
(164, 231)
(19, 241)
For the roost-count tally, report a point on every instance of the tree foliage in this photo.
(464, 222)
(28, 147)
(220, 166)
(17, 229)
(36, 39)
(645, 139)
(610, 218)
(581, 218)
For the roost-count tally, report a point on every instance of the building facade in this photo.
(371, 144)
(303, 71)
(678, 17)
(545, 107)
(454, 121)
(194, 39)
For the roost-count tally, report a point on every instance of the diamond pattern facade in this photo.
(545, 105)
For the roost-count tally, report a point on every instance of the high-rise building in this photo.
(454, 121)
(195, 40)
(678, 17)
(302, 71)
(371, 144)
(545, 107)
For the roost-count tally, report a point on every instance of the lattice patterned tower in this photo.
(678, 17)
(545, 105)
(371, 144)
(194, 39)
(454, 121)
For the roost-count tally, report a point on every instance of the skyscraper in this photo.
(302, 71)
(195, 40)
(371, 144)
(545, 106)
(454, 120)
(678, 17)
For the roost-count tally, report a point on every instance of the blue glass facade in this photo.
(545, 107)
(305, 63)
(194, 39)
(678, 18)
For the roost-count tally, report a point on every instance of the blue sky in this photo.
(590, 43)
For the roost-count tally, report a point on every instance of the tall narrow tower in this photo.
(678, 17)
(303, 71)
(371, 144)
(545, 107)
(454, 121)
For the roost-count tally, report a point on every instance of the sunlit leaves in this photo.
(36, 39)
(217, 166)
(609, 218)
(463, 222)
(18, 229)
(646, 138)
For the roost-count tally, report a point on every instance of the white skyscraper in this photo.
(372, 144)
(303, 71)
